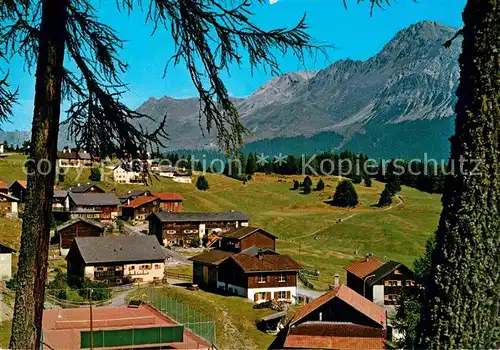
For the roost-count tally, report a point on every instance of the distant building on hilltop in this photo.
(74, 159)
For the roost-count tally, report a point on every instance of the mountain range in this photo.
(398, 103)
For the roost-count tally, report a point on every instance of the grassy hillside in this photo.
(319, 235)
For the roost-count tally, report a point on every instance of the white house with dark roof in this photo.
(116, 260)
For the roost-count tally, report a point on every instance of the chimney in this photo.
(260, 254)
(336, 281)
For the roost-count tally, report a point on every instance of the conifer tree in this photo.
(320, 186)
(385, 198)
(202, 183)
(368, 181)
(251, 166)
(463, 297)
(307, 182)
(345, 195)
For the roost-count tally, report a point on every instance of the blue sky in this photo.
(354, 33)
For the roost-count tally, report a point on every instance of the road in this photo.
(177, 256)
(312, 294)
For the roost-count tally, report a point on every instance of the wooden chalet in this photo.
(102, 206)
(260, 277)
(172, 228)
(378, 281)
(18, 189)
(116, 260)
(339, 319)
(169, 201)
(66, 233)
(140, 208)
(246, 264)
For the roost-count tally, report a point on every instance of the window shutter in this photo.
(256, 297)
(288, 294)
(276, 295)
(268, 295)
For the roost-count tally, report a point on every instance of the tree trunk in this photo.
(32, 273)
(463, 298)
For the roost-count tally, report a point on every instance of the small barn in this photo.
(5, 262)
(65, 234)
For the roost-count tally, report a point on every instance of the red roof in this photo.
(350, 297)
(168, 196)
(139, 201)
(3, 185)
(364, 267)
(332, 335)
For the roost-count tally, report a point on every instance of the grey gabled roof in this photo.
(60, 193)
(132, 194)
(110, 249)
(72, 222)
(164, 216)
(80, 188)
(94, 198)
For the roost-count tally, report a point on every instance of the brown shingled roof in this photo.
(350, 297)
(364, 267)
(243, 231)
(212, 257)
(268, 262)
(332, 335)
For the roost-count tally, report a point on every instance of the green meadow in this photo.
(320, 236)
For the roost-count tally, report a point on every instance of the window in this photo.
(100, 269)
(410, 283)
(282, 278)
(399, 283)
(157, 266)
(281, 294)
(261, 279)
(396, 272)
(131, 267)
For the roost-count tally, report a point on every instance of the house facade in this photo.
(338, 319)
(180, 229)
(246, 264)
(378, 281)
(124, 176)
(102, 206)
(140, 208)
(66, 233)
(5, 262)
(260, 277)
(73, 159)
(116, 260)
(169, 201)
